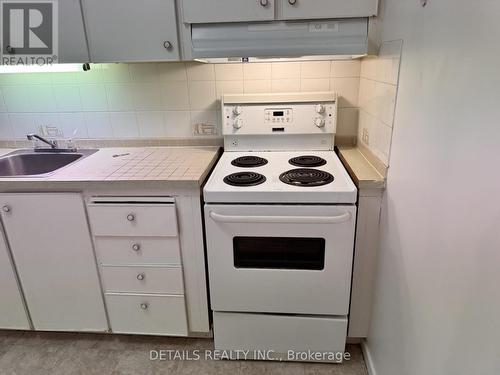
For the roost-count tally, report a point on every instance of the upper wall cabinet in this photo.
(72, 43)
(304, 9)
(131, 30)
(203, 11)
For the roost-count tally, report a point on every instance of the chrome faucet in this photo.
(52, 144)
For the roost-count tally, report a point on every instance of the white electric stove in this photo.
(280, 216)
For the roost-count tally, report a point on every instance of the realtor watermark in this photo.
(263, 355)
(29, 32)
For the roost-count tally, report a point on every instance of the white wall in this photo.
(165, 100)
(437, 303)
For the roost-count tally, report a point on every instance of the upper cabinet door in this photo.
(72, 42)
(203, 11)
(304, 9)
(131, 30)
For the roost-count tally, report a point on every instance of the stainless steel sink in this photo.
(30, 163)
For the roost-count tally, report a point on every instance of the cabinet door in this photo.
(131, 30)
(51, 246)
(72, 42)
(203, 11)
(12, 312)
(304, 9)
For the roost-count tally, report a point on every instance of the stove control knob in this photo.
(320, 108)
(238, 123)
(319, 122)
(237, 110)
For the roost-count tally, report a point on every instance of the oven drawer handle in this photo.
(282, 219)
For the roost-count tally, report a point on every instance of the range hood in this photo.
(253, 41)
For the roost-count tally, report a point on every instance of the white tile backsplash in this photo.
(17, 98)
(202, 95)
(229, 72)
(175, 96)
(257, 71)
(124, 124)
(98, 125)
(377, 99)
(93, 97)
(160, 99)
(67, 98)
(151, 124)
(22, 124)
(285, 85)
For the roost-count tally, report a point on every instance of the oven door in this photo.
(280, 259)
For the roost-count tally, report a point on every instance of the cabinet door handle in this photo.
(264, 3)
(6, 208)
(168, 45)
(130, 217)
(10, 50)
(136, 247)
(144, 306)
(141, 276)
(292, 2)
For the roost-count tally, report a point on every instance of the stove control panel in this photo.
(278, 115)
(296, 118)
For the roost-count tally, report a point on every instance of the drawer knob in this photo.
(292, 2)
(136, 247)
(168, 45)
(130, 217)
(264, 3)
(144, 306)
(6, 208)
(141, 276)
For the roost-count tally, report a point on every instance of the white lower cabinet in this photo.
(149, 314)
(138, 252)
(52, 249)
(12, 311)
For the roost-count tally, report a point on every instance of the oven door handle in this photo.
(282, 219)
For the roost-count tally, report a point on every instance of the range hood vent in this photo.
(338, 37)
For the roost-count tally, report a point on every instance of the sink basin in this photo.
(28, 163)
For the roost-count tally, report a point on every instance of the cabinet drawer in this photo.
(133, 219)
(143, 279)
(280, 333)
(147, 314)
(203, 11)
(138, 250)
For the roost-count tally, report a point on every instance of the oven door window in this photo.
(290, 253)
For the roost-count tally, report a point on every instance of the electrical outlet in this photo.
(204, 129)
(365, 136)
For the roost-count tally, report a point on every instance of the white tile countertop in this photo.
(156, 165)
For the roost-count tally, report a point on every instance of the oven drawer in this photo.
(138, 250)
(147, 314)
(280, 259)
(129, 219)
(279, 333)
(165, 280)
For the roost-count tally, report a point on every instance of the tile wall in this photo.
(157, 101)
(377, 99)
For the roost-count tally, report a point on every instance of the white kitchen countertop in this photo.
(187, 166)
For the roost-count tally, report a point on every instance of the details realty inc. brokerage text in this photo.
(263, 355)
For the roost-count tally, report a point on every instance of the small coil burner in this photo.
(306, 177)
(249, 162)
(307, 161)
(244, 179)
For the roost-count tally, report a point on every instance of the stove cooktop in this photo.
(267, 177)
